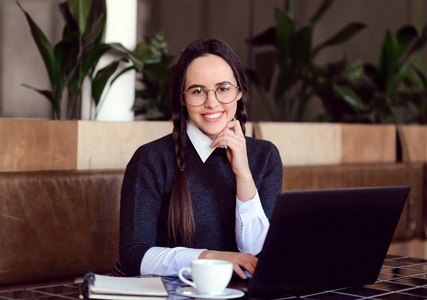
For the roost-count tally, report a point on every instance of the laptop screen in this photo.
(325, 239)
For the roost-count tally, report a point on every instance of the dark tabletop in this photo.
(400, 278)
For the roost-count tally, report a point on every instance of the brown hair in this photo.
(180, 220)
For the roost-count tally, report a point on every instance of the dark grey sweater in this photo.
(147, 188)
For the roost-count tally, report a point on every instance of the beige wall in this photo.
(183, 21)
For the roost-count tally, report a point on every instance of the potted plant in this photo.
(74, 58)
(286, 72)
(152, 100)
(393, 91)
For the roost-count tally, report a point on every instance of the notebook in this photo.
(107, 287)
(325, 239)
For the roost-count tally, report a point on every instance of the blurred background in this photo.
(183, 21)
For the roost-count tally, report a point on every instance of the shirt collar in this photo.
(200, 141)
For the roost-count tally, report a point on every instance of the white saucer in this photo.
(189, 291)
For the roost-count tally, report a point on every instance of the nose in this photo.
(211, 100)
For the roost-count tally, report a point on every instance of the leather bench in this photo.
(58, 224)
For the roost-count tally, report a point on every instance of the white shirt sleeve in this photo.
(251, 225)
(167, 261)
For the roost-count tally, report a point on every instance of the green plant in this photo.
(153, 99)
(288, 72)
(399, 91)
(393, 91)
(75, 57)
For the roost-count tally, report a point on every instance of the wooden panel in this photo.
(304, 143)
(28, 145)
(368, 143)
(110, 145)
(414, 142)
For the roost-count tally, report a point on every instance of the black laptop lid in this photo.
(325, 239)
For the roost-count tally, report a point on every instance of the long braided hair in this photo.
(180, 219)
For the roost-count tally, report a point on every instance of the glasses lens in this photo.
(196, 96)
(226, 93)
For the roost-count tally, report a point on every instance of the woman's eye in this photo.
(224, 88)
(197, 91)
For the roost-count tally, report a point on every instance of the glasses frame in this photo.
(214, 90)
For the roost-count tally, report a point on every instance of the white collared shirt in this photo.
(251, 224)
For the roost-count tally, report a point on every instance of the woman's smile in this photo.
(213, 117)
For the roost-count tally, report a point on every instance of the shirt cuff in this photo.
(247, 211)
(167, 261)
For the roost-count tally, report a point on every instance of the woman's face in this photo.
(209, 72)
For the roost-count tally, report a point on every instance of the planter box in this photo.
(330, 143)
(110, 145)
(413, 139)
(29, 145)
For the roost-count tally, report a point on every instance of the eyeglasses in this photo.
(197, 96)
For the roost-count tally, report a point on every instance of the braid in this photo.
(180, 219)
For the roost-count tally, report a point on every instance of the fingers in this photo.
(230, 136)
(241, 261)
(239, 271)
(246, 261)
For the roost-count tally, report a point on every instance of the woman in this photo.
(206, 190)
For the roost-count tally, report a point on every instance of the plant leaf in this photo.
(415, 47)
(342, 36)
(70, 23)
(301, 47)
(284, 31)
(319, 13)
(349, 97)
(80, 10)
(56, 107)
(46, 93)
(264, 64)
(125, 70)
(97, 18)
(45, 49)
(94, 33)
(388, 59)
(265, 38)
(406, 35)
(101, 79)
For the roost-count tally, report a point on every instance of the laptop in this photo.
(325, 239)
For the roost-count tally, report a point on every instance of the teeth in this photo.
(213, 116)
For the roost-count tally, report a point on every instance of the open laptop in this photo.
(325, 239)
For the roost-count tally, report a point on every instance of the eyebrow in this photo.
(203, 86)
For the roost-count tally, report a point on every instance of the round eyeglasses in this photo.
(225, 93)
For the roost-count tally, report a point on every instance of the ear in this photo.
(239, 95)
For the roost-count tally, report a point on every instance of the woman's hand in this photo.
(233, 137)
(240, 260)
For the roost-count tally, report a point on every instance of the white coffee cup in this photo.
(210, 276)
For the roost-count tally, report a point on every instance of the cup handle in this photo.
(185, 280)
